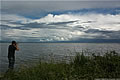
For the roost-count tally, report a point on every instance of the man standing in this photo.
(11, 54)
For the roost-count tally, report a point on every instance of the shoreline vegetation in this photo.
(80, 67)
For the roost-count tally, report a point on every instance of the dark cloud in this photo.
(6, 27)
(62, 23)
(114, 35)
(57, 25)
(37, 9)
(5, 20)
(89, 22)
(98, 31)
(104, 34)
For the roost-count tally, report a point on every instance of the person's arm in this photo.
(17, 47)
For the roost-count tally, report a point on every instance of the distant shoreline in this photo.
(62, 42)
(71, 41)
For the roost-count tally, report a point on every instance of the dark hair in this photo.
(13, 42)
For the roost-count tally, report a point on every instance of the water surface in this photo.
(30, 52)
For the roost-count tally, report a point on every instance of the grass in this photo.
(80, 67)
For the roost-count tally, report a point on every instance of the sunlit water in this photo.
(30, 52)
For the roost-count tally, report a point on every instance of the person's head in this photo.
(13, 42)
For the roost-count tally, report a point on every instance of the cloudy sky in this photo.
(41, 21)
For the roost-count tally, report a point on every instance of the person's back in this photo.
(11, 54)
(11, 51)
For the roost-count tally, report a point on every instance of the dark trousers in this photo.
(11, 63)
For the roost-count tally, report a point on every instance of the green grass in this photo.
(80, 67)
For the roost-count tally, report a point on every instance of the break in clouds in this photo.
(64, 25)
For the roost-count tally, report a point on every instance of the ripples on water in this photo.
(30, 52)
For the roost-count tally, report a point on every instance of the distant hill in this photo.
(74, 41)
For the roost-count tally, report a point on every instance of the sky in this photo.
(66, 20)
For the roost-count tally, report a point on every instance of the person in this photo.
(11, 54)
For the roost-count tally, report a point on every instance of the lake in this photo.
(32, 52)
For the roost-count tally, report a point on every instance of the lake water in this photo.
(30, 52)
